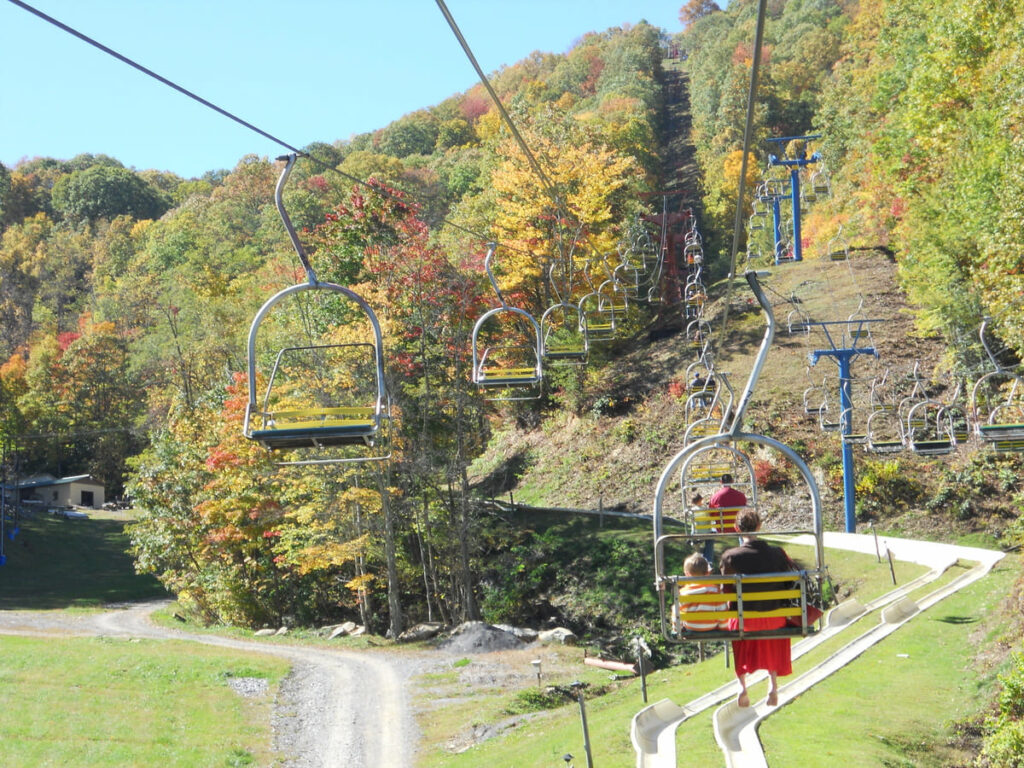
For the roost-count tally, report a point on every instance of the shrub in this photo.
(770, 476)
(1004, 732)
(883, 486)
(535, 700)
(625, 431)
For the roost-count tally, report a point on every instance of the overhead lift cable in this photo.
(748, 131)
(549, 187)
(404, 197)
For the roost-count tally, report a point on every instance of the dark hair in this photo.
(726, 479)
(748, 521)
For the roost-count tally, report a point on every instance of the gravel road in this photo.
(336, 708)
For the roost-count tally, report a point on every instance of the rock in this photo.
(265, 632)
(525, 634)
(422, 631)
(340, 630)
(559, 635)
(282, 631)
(359, 630)
(477, 637)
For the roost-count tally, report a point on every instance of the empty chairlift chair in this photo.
(997, 404)
(563, 334)
(930, 429)
(506, 345)
(320, 396)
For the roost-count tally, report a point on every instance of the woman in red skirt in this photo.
(772, 654)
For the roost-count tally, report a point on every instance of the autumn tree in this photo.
(104, 191)
(696, 9)
(584, 194)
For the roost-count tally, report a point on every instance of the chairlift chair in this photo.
(820, 182)
(929, 430)
(612, 297)
(885, 432)
(506, 347)
(815, 400)
(797, 321)
(596, 321)
(838, 249)
(319, 395)
(997, 411)
(849, 436)
(513, 370)
(562, 339)
(997, 403)
(791, 591)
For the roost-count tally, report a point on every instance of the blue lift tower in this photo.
(795, 165)
(853, 331)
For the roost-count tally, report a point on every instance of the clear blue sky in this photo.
(303, 71)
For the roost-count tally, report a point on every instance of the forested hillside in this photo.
(126, 297)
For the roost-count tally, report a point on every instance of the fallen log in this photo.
(616, 666)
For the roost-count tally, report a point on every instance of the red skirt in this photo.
(771, 654)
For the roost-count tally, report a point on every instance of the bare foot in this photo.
(773, 699)
(743, 700)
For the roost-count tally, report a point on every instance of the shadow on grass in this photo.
(55, 563)
(504, 477)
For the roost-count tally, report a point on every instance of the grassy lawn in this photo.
(96, 702)
(895, 705)
(102, 702)
(930, 653)
(56, 563)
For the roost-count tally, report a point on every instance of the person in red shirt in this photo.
(724, 498)
(727, 497)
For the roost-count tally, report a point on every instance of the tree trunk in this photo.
(396, 620)
(364, 595)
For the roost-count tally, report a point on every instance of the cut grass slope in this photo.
(100, 702)
(57, 563)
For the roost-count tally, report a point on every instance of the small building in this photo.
(76, 491)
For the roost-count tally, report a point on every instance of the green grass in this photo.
(100, 702)
(55, 563)
(896, 704)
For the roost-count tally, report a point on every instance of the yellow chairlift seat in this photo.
(310, 427)
(504, 377)
(713, 519)
(1004, 438)
(749, 591)
(709, 472)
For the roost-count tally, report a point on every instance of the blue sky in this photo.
(303, 71)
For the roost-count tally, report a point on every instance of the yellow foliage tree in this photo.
(578, 204)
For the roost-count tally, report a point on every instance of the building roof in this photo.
(43, 483)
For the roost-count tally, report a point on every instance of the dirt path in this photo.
(336, 708)
(679, 165)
